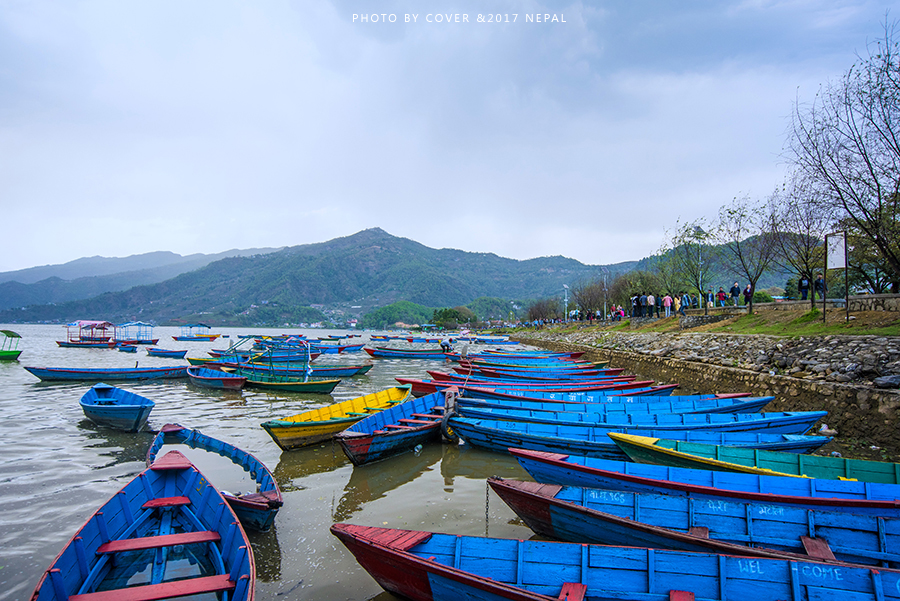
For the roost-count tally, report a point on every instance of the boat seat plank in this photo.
(573, 591)
(153, 542)
(817, 547)
(166, 502)
(166, 590)
(427, 415)
(396, 427)
(354, 414)
(681, 596)
(171, 461)
(701, 531)
(416, 421)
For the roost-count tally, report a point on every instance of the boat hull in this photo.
(110, 406)
(102, 374)
(384, 435)
(168, 516)
(440, 567)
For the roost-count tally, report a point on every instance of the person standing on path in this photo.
(803, 286)
(651, 301)
(667, 305)
(735, 293)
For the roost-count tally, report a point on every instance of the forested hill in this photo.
(370, 268)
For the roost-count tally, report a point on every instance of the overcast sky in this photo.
(130, 127)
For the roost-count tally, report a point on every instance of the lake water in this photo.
(57, 467)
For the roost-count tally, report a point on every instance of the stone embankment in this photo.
(853, 377)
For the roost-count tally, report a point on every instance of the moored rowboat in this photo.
(321, 424)
(428, 566)
(255, 509)
(97, 374)
(835, 495)
(110, 406)
(722, 458)
(168, 533)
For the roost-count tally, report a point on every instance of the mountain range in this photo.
(352, 275)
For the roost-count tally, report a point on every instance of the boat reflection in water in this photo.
(120, 446)
(266, 553)
(375, 480)
(466, 461)
(308, 461)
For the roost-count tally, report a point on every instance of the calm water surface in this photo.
(57, 467)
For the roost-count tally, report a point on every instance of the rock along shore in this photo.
(854, 378)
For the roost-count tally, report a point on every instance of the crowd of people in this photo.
(650, 305)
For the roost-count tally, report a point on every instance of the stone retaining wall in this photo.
(854, 410)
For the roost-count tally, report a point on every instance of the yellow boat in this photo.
(321, 424)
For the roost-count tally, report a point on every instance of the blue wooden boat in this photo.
(499, 436)
(110, 406)
(428, 566)
(390, 353)
(126, 348)
(608, 517)
(168, 533)
(289, 369)
(214, 378)
(783, 422)
(99, 374)
(813, 493)
(256, 509)
(395, 430)
(502, 391)
(166, 353)
(610, 405)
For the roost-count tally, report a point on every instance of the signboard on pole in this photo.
(835, 245)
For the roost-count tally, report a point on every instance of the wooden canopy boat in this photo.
(98, 374)
(788, 422)
(428, 566)
(166, 353)
(168, 533)
(636, 405)
(714, 457)
(195, 332)
(750, 528)
(110, 406)
(214, 378)
(394, 430)
(834, 495)
(135, 332)
(255, 509)
(9, 346)
(390, 353)
(290, 383)
(89, 334)
(321, 424)
(499, 436)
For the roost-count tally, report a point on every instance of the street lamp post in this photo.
(567, 301)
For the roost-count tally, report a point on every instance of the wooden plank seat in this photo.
(166, 590)
(166, 502)
(572, 591)
(817, 547)
(153, 542)
(397, 427)
(426, 415)
(416, 421)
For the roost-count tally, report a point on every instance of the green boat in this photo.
(642, 449)
(290, 383)
(9, 346)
